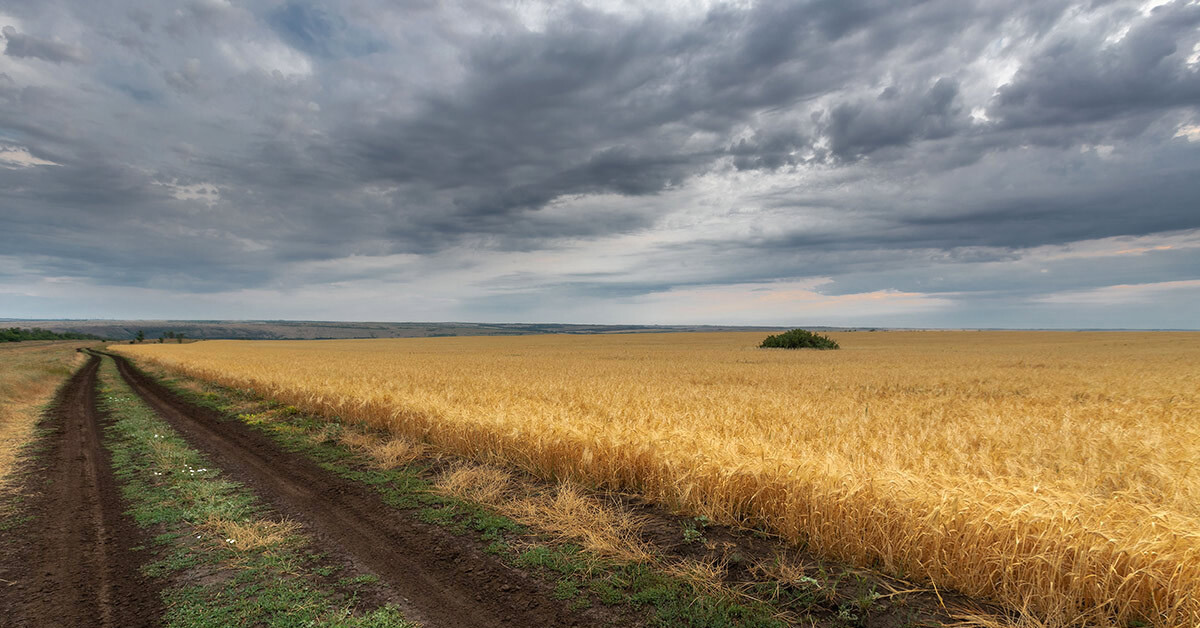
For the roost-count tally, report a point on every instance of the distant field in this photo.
(1053, 471)
(329, 330)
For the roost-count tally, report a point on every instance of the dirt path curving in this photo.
(71, 563)
(445, 580)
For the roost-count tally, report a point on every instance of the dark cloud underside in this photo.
(521, 160)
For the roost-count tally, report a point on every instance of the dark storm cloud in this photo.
(1121, 199)
(1080, 78)
(22, 46)
(895, 119)
(603, 103)
(213, 146)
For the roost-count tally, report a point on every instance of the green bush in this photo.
(799, 339)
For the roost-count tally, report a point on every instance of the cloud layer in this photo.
(943, 163)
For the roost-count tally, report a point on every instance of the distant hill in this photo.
(18, 334)
(310, 330)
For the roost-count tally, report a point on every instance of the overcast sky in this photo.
(956, 163)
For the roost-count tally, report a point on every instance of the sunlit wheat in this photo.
(1056, 472)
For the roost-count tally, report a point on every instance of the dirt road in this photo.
(445, 580)
(71, 563)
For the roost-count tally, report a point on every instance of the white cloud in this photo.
(782, 303)
(207, 193)
(1146, 293)
(1115, 247)
(1189, 131)
(19, 157)
(265, 56)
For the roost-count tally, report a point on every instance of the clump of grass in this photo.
(327, 433)
(702, 572)
(385, 453)
(605, 530)
(252, 535)
(781, 569)
(480, 484)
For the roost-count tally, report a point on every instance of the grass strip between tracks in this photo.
(229, 563)
(630, 591)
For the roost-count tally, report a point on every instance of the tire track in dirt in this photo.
(71, 563)
(445, 580)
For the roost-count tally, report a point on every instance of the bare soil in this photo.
(70, 562)
(440, 579)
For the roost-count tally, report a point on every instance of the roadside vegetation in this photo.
(228, 561)
(1048, 472)
(29, 375)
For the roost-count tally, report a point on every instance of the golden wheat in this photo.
(1055, 472)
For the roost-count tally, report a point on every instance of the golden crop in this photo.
(1057, 472)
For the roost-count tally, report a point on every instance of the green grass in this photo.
(656, 598)
(212, 581)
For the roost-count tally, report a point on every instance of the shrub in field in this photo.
(799, 339)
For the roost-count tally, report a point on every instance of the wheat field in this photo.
(1056, 473)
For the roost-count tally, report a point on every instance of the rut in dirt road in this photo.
(445, 580)
(71, 564)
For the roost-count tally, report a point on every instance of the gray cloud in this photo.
(317, 31)
(210, 148)
(895, 119)
(1083, 78)
(23, 46)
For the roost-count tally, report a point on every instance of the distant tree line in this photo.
(16, 334)
(140, 337)
(169, 335)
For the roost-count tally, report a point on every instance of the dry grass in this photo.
(485, 485)
(567, 512)
(564, 511)
(251, 535)
(1056, 472)
(29, 374)
(385, 453)
(781, 569)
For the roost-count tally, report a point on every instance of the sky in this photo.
(950, 163)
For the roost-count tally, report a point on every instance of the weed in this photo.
(565, 589)
(692, 533)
